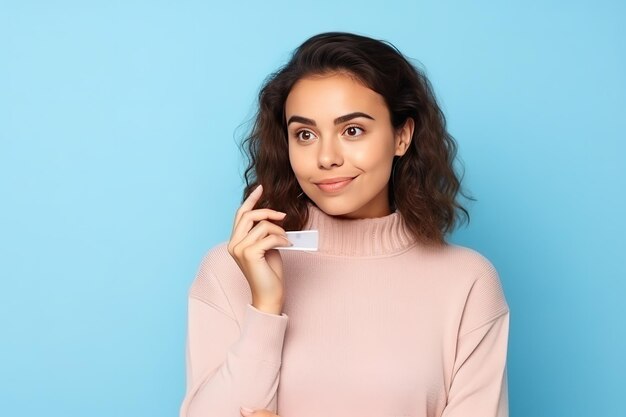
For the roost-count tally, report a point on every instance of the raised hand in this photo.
(251, 246)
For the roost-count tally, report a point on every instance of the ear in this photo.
(404, 136)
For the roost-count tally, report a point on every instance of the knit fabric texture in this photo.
(374, 324)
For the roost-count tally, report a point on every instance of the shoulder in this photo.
(218, 279)
(483, 292)
(217, 258)
(462, 264)
(482, 268)
(469, 257)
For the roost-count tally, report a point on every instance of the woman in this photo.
(386, 318)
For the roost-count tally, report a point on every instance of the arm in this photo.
(227, 367)
(479, 376)
(479, 385)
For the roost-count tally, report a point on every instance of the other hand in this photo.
(257, 413)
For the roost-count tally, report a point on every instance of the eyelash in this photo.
(297, 134)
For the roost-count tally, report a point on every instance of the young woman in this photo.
(386, 318)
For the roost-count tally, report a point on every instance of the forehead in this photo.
(320, 95)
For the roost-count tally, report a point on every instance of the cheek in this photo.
(370, 158)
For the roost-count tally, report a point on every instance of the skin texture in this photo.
(359, 147)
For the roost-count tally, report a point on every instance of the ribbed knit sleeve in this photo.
(229, 364)
(479, 384)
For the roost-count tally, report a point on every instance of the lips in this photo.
(334, 180)
(336, 185)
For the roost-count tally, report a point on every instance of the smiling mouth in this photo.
(335, 186)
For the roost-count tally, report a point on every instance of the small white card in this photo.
(302, 240)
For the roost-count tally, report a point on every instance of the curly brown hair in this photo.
(423, 185)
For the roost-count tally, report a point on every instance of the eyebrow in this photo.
(338, 120)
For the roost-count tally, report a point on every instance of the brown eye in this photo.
(299, 135)
(351, 130)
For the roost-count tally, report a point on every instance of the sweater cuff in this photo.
(262, 335)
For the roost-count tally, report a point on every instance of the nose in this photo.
(329, 153)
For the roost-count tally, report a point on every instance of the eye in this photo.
(353, 129)
(304, 138)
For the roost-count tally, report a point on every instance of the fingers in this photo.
(244, 222)
(242, 228)
(262, 231)
(248, 218)
(249, 202)
(257, 251)
(263, 237)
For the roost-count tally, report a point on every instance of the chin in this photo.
(334, 207)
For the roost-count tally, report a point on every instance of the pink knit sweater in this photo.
(374, 325)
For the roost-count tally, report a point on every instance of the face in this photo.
(339, 129)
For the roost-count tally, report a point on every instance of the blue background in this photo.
(119, 169)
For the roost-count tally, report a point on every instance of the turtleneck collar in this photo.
(378, 236)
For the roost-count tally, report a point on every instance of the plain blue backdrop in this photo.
(119, 169)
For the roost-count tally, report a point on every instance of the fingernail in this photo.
(246, 411)
(282, 214)
(258, 187)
